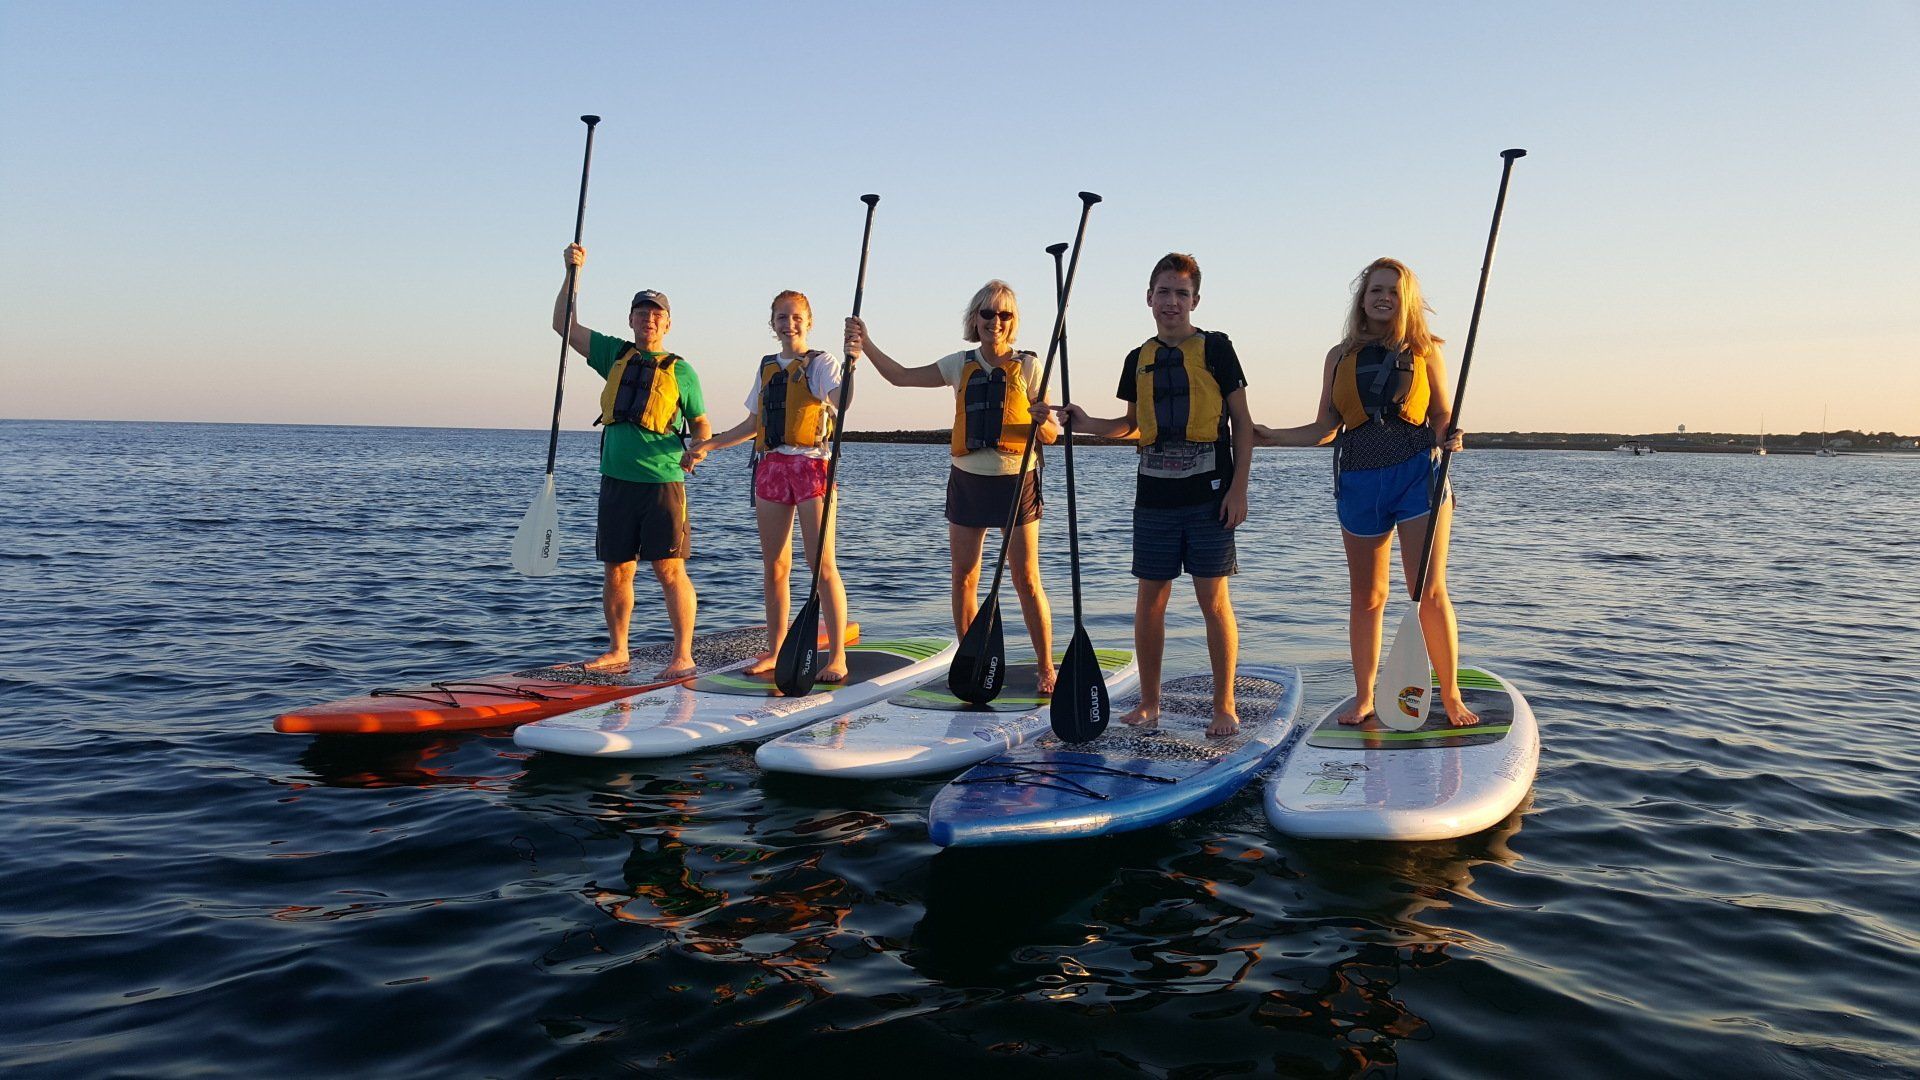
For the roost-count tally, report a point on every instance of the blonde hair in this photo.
(995, 289)
(1409, 331)
(789, 294)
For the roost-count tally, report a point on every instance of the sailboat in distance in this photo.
(1762, 450)
(1824, 450)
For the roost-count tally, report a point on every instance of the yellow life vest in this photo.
(641, 389)
(1372, 380)
(990, 406)
(1177, 396)
(789, 413)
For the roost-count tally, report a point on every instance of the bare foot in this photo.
(1142, 717)
(1224, 724)
(1459, 715)
(1046, 679)
(835, 671)
(1356, 716)
(612, 658)
(763, 662)
(681, 668)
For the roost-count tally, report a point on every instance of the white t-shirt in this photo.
(989, 460)
(823, 379)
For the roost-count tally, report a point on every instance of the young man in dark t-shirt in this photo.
(643, 502)
(1187, 406)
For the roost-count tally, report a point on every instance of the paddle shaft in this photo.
(1066, 430)
(579, 223)
(1466, 361)
(1087, 199)
(846, 385)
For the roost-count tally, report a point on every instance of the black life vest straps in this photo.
(773, 402)
(986, 406)
(1171, 391)
(635, 379)
(1392, 380)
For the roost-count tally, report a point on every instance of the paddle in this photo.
(1079, 706)
(536, 549)
(1407, 675)
(980, 667)
(799, 657)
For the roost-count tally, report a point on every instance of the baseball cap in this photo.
(652, 298)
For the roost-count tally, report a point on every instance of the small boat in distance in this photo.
(1762, 450)
(1634, 447)
(1824, 450)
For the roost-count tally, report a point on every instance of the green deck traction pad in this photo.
(1021, 692)
(1483, 693)
(865, 661)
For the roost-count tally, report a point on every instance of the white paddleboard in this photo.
(927, 730)
(1434, 783)
(728, 706)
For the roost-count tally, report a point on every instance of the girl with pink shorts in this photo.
(791, 410)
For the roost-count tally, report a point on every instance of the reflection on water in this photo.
(772, 903)
(1715, 869)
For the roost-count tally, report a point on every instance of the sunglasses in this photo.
(995, 316)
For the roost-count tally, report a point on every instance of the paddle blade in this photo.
(1405, 688)
(536, 547)
(980, 667)
(799, 658)
(1079, 708)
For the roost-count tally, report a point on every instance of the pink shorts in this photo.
(790, 479)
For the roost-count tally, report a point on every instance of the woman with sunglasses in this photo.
(996, 397)
(1384, 406)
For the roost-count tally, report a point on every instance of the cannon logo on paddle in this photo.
(1411, 699)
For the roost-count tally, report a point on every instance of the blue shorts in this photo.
(1165, 539)
(1371, 502)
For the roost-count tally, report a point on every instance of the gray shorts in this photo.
(1169, 539)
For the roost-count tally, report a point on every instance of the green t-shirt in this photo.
(631, 452)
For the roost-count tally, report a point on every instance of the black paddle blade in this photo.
(799, 659)
(980, 667)
(1079, 710)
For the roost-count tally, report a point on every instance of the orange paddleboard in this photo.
(519, 697)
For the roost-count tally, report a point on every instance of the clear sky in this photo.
(353, 212)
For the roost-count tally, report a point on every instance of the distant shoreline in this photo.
(1674, 443)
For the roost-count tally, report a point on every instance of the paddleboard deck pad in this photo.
(928, 730)
(1127, 778)
(1435, 783)
(519, 697)
(730, 706)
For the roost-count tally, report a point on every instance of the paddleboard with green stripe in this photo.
(927, 731)
(1433, 783)
(730, 706)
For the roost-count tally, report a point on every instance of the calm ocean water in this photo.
(1715, 874)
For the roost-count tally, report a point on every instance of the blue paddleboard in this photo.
(1127, 778)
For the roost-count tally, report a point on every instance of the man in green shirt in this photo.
(651, 400)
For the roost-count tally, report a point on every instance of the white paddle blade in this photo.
(1405, 689)
(536, 547)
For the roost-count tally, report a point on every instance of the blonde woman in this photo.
(791, 410)
(996, 397)
(1384, 406)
